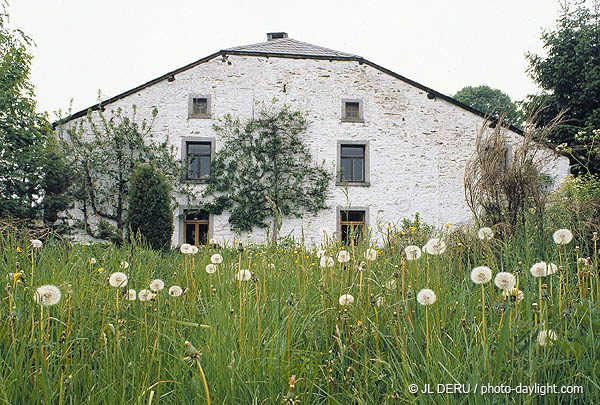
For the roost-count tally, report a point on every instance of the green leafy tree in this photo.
(104, 152)
(149, 211)
(492, 102)
(23, 131)
(265, 171)
(569, 76)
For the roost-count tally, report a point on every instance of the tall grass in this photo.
(283, 337)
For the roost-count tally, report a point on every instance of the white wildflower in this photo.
(562, 237)
(435, 246)
(371, 254)
(543, 269)
(243, 275)
(175, 291)
(426, 297)
(92, 260)
(327, 261)
(546, 337)
(131, 295)
(216, 259)
(118, 279)
(145, 295)
(157, 285)
(124, 264)
(412, 252)
(346, 299)
(193, 249)
(481, 275)
(343, 256)
(36, 243)
(485, 233)
(513, 292)
(186, 248)
(211, 268)
(505, 280)
(47, 295)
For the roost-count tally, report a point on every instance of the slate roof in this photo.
(289, 46)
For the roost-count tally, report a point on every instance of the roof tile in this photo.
(289, 46)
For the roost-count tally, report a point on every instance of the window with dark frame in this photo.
(198, 159)
(352, 225)
(352, 162)
(199, 106)
(351, 111)
(196, 227)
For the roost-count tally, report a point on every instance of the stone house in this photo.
(396, 146)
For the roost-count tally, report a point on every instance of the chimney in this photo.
(276, 35)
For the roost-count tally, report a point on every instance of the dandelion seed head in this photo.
(327, 261)
(371, 254)
(243, 275)
(145, 295)
(117, 279)
(211, 268)
(212, 241)
(562, 237)
(545, 337)
(157, 285)
(193, 249)
(186, 248)
(543, 269)
(346, 299)
(485, 233)
(92, 260)
(481, 274)
(175, 291)
(36, 243)
(505, 280)
(426, 296)
(216, 259)
(343, 256)
(124, 264)
(513, 292)
(47, 295)
(131, 295)
(412, 252)
(435, 246)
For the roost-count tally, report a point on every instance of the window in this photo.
(353, 163)
(196, 227)
(199, 106)
(352, 110)
(197, 153)
(198, 158)
(352, 225)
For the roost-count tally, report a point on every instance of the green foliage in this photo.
(265, 171)
(22, 130)
(149, 210)
(57, 180)
(570, 74)
(104, 152)
(492, 102)
(577, 201)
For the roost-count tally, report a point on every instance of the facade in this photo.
(396, 147)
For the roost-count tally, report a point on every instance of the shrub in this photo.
(149, 211)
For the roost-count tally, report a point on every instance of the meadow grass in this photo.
(283, 336)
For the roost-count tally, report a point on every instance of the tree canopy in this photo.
(23, 131)
(264, 170)
(490, 101)
(569, 76)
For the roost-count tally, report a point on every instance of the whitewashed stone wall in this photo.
(418, 146)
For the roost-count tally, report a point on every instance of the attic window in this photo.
(352, 110)
(198, 106)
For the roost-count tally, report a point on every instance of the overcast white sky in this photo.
(114, 45)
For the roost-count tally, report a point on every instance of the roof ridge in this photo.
(290, 46)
